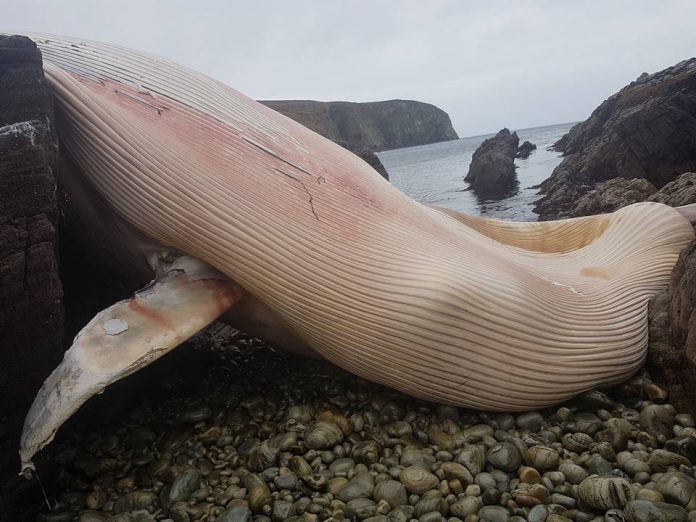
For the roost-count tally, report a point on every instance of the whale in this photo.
(234, 211)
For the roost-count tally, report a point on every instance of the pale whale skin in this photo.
(451, 308)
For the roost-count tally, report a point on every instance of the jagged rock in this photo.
(672, 323)
(681, 191)
(375, 126)
(646, 131)
(613, 195)
(492, 170)
(525, 150)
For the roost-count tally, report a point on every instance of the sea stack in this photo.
(492, 170)
(525, 150)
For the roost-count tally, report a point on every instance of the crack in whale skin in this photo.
(434, 303)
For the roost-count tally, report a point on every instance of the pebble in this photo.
(277, 437)
(417, 480)
(605, 492)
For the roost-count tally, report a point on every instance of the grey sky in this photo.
(489, 64)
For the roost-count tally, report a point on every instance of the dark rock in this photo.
(672, 323)
(31, 310)
(525, 150)
(681, 191)
(373, 161)
(374, 126)
(612, 195)
(31, 314)
(646, 130)
(492, 170)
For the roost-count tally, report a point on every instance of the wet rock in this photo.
(492, 169)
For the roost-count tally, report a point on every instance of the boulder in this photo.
(672, 323)
(525, 150)
(613, 195)
(681, 191)
(646, 130)
(492, 170)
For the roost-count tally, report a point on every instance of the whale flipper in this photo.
(186, 296)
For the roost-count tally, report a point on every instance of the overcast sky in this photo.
(489, 64)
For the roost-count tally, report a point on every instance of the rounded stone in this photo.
(323, 435)
(392, 491)
(605, 492)
(494, 514)
(417, 480)
(504, 456)
(543, 458)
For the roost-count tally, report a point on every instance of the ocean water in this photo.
(434, 174)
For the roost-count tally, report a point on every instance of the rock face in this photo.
(647, 130)
(525, 150)
(373, 126)
(672, 348)
(619, 192)
(492, 170)
(31, 313)
(30, 290)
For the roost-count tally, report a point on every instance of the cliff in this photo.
(374, 126)
(646, 130)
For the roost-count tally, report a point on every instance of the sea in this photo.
(434, 174)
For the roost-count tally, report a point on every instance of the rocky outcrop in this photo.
(374, 126)
(672, 348)
(525, 150)
(492, 169)
(373, 161)
(617, 193)
(31, 313)
(30, 290)
(681, 191)
(647, 130)
(613, 195)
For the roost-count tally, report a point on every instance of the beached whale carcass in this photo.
(235, 207)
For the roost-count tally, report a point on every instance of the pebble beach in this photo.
(267, 436)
